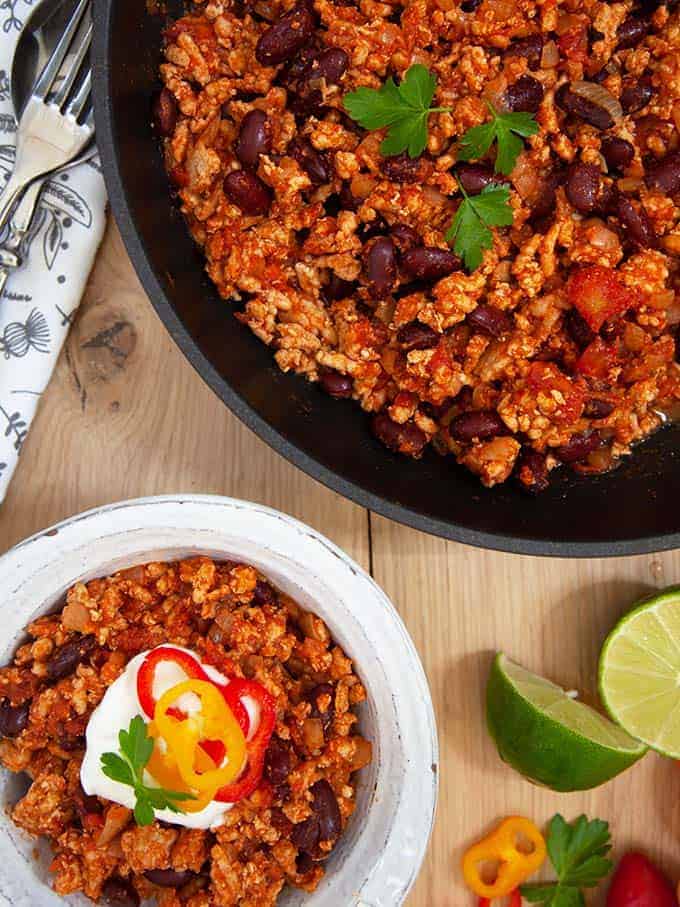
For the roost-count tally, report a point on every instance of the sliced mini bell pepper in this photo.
(194, 671)
(515, 900)
(214, 721)
(257, 745)
(162, 767)
(504, 847)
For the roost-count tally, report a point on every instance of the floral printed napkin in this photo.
(40, 298)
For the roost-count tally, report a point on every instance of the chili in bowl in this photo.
(193, 728)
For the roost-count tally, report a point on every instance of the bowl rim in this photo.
(400, 513)
(163, 521)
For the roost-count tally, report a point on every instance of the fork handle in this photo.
(14, 187)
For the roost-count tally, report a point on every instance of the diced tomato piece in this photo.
(597, 359)
(573, 44)
(570, 397)
(598, 294)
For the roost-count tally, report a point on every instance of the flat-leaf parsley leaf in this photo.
(470, 231)
(578, 852)
(404, 109)
(503, 128)
(127, 767)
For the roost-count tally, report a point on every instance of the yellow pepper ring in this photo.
(163, 769)
(215, 721)
(502, 847)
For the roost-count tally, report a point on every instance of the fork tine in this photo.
(77, 104)
(75, 63)
(51, 69)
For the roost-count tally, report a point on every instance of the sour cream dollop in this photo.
(116, 710)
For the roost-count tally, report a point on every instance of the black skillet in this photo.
(633, 510)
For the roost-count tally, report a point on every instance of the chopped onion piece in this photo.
(598, 94)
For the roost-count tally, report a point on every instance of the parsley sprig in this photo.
(405, 109)
(470, 232)
(505, 130)
(128, 768)
(578, 852)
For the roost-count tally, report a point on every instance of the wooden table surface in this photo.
(126, 415)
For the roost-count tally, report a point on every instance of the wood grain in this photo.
(125, 415)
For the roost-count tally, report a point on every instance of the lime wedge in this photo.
(640, 672)
(550, 737)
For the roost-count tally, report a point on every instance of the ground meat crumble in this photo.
(310, 232)
(235, 620)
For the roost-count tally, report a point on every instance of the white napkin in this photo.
(40, 298)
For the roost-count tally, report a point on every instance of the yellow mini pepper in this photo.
(505, 848)
(215, 721)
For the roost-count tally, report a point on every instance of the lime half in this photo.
(548, 736)
(640, 672)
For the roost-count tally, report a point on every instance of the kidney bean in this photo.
(330, 65)
(264, 593)
(525, 94)
(325, 806)
(636, 95)
(322, 690)
(85, 804)
(247, 191)
(631, 32)
(406, 438)
(469, 6)
(164, 112)
(636, 222)
(13, 718)
(306, 835)
(372, 228)
(477, 423)
(530, 48)
(335, 383)
(337, 288)
(404, 237)
(280, 821)
(578, 446)
(544, 205)
(475, 177)
(169, 878)
(118, 892)
(597, 409)
(665, 174)
(285, 38)
(618, 153)
(381, 267)
(417, 336)
(532, 470)
(315, 163)
(278, 761)
(71, 744)
(583, 186)
(490, 320)
(429, 262)
(401, 168)
(254, 138)
(583, 108)
(578, 329)
(67, 658)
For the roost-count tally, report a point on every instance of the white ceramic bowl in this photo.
(378, 858)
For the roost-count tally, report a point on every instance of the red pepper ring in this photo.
(515, 900)
(194, 671)
(256, 747)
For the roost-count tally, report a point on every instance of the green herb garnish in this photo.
(403, 108)
(578, 853)
(505, 129)
(470, 231)
(127, 767)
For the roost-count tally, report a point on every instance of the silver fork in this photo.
(12, 250)
(49, 134)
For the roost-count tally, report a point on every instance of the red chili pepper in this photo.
(639, 883)
(515, 900)
(251, 777)
(193, 669)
